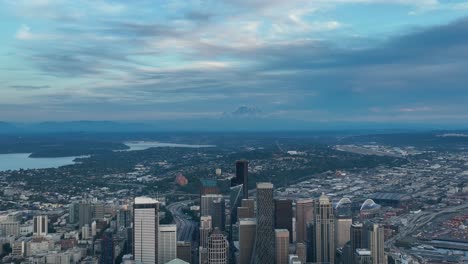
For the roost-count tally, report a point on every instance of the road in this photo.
(185, 227)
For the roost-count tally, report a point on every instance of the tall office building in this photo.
(323, 243)
(107, 248)
(124, 218)
(264, 250)
(184, 251)
(206, 203)
(301, 252)
(247, 227)
(145, 230)
(304, 216)
(74, 213)
(284, 215)
(85, 211)
(242, 176)
(281, 246)
(218, 248)
(85, 232)
(205, 230)
(98, 210)
(167, 245)
(374, 240)
(234, 202)
(250, 205)
(218, 213)
(356, 236)
(40, 225)
(363, 256)
(209, 186)
(342, 231)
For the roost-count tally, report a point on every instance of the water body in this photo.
(141, 145)
(18, 161)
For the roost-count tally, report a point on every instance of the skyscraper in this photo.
(284, 215)
(242, 176)
(304, 216)
(250, 205)
(323, 244)
(356, 237)
(234, 202)
(218, 213)
(40, 225)
(205, 230)
(247, 227)
(218, 248)
(107, 248)
(184, 251)
(85, 211)
(167, 245)
(342, 231)
(206, 203)
(301, 252)
(74, 213)
(145, 230)
(281, 246)
(374, 240)
(264, 250)
(123, 218)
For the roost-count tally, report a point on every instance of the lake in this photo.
(18, 161)
(142, 145)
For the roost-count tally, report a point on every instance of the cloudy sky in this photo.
(313, 61)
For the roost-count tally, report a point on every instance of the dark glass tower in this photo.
(242, 176)
(107, 245)
(284, 215)
(264, 250)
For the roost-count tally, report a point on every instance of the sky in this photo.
(304, 61)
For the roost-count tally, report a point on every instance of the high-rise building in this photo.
(85, 214)
(98, 210)
(323, 244)
(85, 232)
(374, 240)
(74, 213)
(342, 231)
(40, 225)
(242, 176)
(206, 203)
(145, 230)
(218, 213)
(264, 250)
(363, 256)
(184, 251)
(107, 248)
(281, 246)
(247, 227)
(234, 202)
(356, 236)
(304, 216)
(205, 230)
(250, 205)
(218, 248)
(209, 186)
(124, 218)
(167, 245)
(301, 252)
(284, 215)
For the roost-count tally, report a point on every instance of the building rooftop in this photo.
(264, 185)
(145, 200)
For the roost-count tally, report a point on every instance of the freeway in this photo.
(185, 226)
